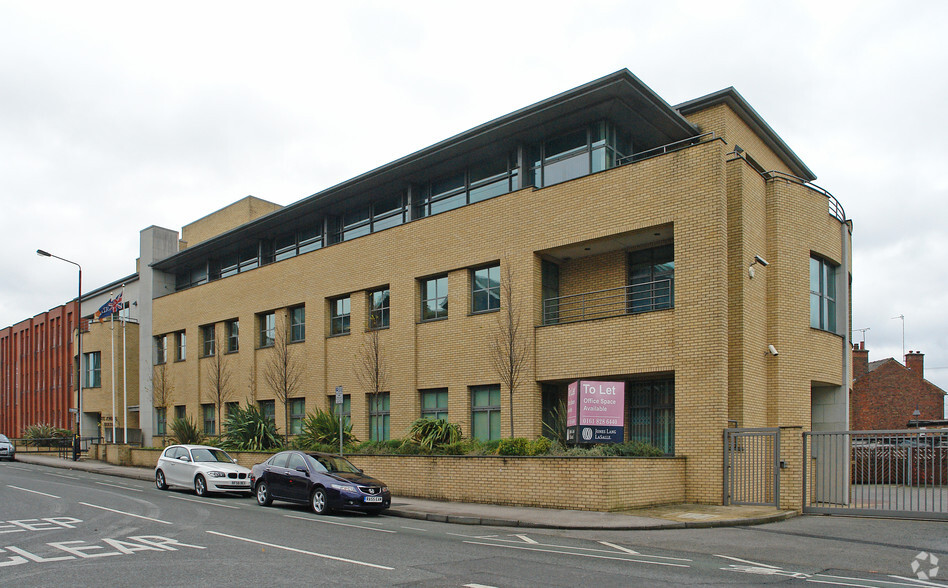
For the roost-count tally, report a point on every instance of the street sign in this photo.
(339, 395)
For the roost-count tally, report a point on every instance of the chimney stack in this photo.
(915, 361)
(860, 360)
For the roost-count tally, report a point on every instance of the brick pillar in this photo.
(860, 360)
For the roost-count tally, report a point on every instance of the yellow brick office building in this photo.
(681, 250)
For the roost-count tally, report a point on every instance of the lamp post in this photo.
(42, 253)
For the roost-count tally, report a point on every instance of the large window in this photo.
(93, 365)
(822, 294)
(467, 186)
(180, 346)
(434, 403)
(485, 289)
(379, 416)
(334, 409)
(161, 349)
(434, 298)
(268, 409)
(161, 420)
(180, 411)
(550, 292)
(208, 414)
(651, 279)
(485, 412)
(651, 413)
(232, 328)
(297, 324)
(297, 414)
(207, 340)
(339, 316)
(267, 325)
(577, 153)
(379, 308)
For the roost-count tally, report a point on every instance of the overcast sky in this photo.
(118, 116)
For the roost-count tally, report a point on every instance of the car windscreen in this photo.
(203, 454)
(3, 439)
(336, 464)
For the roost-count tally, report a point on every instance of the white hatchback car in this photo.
(204, 468)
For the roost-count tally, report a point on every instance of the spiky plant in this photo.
(248, 429)
(432, 433)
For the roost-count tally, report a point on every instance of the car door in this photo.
(172, 466)
(275, 475)
(297, 478)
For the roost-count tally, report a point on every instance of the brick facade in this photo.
(886, 393)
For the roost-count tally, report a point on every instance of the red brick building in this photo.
(37, 364)
(886, 393)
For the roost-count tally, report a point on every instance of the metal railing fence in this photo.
(631, 299)
(752, 466)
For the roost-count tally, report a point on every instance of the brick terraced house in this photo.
(681, 250)
(886, 393)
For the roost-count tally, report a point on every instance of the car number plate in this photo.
(373, 499)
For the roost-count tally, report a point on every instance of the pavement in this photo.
(680, 516)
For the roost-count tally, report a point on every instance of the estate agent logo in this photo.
(925, 566)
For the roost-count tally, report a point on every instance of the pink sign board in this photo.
(595, 411)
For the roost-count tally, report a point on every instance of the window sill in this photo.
(433, 320)
(334, 335)
(480, 312)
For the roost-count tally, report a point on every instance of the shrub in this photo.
(248, 429)
(185, 431)
(554, 426)
(320, 428)
(46, 435)
(515, 446)
(433, 433)
(539, 446)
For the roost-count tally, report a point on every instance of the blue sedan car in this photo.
(324, 481)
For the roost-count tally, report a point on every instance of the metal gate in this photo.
(752, 466)
(900, 473)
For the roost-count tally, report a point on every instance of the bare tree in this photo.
(371, 371)
(508, 344)
(218, 378)
(162, 392)
(283, 373)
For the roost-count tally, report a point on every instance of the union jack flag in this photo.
(109, 308)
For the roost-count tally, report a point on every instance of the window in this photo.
(268, 409)
(339, 316)
(434, 403)
(297, 414)
(485, 412)
(485, 289)
(467, 186)
(232, 328)
(651, 279)
(267, 322)
(180, 411)
(180, 346)
(551, 292)
(207, 340)
(577, 153)
(434, 298)
(651, 417)
(379, 408)
(229, 408)
(207, 412)
(346, 409)
(161, 349)
(379, 301)
(161, 419)
(297, 324)
(93, 364)
(822, 294)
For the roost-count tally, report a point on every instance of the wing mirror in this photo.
(184, 458)
(302, 470)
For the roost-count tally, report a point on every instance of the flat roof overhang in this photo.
(620, 97)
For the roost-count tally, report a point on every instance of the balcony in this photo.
(631, 299)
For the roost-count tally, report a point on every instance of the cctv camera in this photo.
(773, 350)
(761, 260)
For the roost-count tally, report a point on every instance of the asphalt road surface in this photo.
(61, 527)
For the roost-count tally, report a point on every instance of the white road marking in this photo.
(21, 469)
(304, 552)
(209, 502)
(576, 548)
(63, 476)
(478, 586)
(526, 539)
(914, 582)
(747, 561)
(620, 548)
(592, 555)
(118, 486)
(473, 536)
(340, 524)
(34, 491)
(415, 529)
(126, 513)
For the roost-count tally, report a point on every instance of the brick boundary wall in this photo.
(579, 483)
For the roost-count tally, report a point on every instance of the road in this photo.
(83, 529)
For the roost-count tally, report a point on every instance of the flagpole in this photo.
(112, 328)
(124, 373)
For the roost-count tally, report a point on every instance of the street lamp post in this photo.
(42, 253)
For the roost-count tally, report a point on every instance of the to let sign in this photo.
(595, 412)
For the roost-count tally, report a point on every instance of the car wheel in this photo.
(200, 486)
(160, 481)
(318, 501)
(263, 494)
